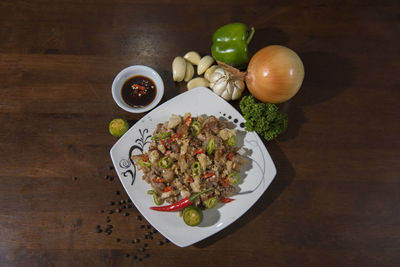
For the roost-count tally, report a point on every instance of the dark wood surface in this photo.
(335, 200)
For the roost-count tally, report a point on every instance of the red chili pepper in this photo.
(199, 151)
(138, 86)
(174, 137)
(163, 143)
(168, 188)
(208, 174)
(191, 180)
(188, 120)
(225, 181)
(186, 202)
(168, 152)
(145, 158)
(230, 156)
(157, 180)
(225, 200)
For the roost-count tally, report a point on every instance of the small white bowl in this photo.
(129, 72)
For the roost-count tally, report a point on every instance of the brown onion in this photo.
(274, 74)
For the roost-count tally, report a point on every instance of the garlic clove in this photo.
(237, 93)
(240, 85)
(219, 86)
(210, 71)
(189, 72)
(204, 64)
(193, 57)
(216, 76)
(178, 69)
(197, 82)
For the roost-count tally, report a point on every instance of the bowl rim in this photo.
(132, 71)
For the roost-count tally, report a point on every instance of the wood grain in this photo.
(334, 200)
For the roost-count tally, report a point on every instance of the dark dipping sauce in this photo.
(138, 91)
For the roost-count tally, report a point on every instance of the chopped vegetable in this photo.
(161, 136)
(196, 169)
(118, 127)
(232, 141)
(192, 216)
(144, 163)
(210, 146)
(225, 200)
(195, 128)
(158, 180)
(156, 199)
(211, 202)
(165, 162)
(168, 188)
(183, 203)
(199, 151)
(208, 175)
(174, 137)
(233, 178)
(264, 118)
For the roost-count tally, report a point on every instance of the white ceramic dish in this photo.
(129, 72)
(255, 177)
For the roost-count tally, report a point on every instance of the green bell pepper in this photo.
(230, 44)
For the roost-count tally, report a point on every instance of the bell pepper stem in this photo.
(251, 34)
(192, 198)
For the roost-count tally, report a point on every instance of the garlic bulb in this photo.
(226, 85)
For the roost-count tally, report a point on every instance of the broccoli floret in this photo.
(264, 118)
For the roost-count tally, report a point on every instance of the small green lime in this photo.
(118, 127)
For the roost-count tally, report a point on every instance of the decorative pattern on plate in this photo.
(140, 143)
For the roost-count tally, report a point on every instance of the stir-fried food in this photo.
(190, 155)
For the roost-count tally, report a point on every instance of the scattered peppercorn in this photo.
(118, 239)
(126, 214)
(160, 243)
(118, 193)
(75, 178)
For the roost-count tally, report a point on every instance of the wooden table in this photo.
(335, 200)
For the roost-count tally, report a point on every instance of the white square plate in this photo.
(255, 176)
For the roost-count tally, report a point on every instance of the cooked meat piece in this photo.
(204, 161)
(154, 156)
(175, 148)
(184, 147)
(183, 130)
(168, 175)
(226, 133)
(174, 120)
(219, 155)
(182, 163)
(210, 124)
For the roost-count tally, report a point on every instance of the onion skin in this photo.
(274, 74)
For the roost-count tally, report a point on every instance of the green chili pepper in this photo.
(192, 215)
(230, 44)
(161, 136)
(195, 128)
(196, 169)
(232, 141)
(212, 202)
(156, 199)
(210, 147)
(165, 162)
(233, 178)
(144, 163)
